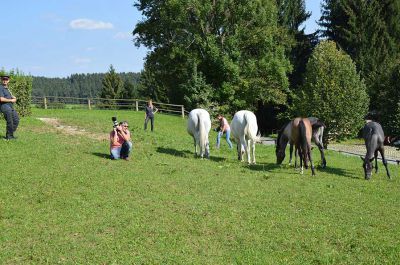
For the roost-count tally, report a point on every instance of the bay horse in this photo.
(297, 132)
(198, 126)
(244, 129)
(374, 137)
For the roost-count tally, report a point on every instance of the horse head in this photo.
(367, 166)
(280, 146)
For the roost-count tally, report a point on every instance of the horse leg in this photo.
(248, 152)
(253, 151)
(296, 150)
(376, 161)
(382, 151)
(310, 158)
(239, 150)
(301, 160)
(321, 149)
(291, 153)
(195, 146)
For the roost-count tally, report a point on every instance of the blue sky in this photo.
(57, 38)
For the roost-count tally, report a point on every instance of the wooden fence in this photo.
(50, 102)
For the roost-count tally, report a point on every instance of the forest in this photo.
(80, 85)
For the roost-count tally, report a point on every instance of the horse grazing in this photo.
(297, 132)
(244, 129)
(198, 126)
(317, 135)
(374, 137)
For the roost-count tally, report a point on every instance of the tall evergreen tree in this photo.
(112, 85)
(369, 32)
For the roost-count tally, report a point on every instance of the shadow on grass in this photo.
(102, 155)
(339, 171)
(264, 167)
(184, 153)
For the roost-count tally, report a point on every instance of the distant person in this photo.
(120, 141)
(149, 115)
(223, 128)
(7, 101)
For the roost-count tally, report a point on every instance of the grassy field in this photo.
(63, 201)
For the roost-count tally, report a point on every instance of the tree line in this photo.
(229, 55)
(86, 85)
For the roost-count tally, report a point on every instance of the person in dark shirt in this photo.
(7, 101)
(150, 111)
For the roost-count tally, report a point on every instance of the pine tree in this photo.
(112, 85)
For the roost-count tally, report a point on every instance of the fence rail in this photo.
(51, 102)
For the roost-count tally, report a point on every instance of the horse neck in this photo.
(371, 144)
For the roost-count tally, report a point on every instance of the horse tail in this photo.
(202, 131)
(318, 124)
(303, 135)
(250, 129)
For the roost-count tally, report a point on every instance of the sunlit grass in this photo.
(63, 201)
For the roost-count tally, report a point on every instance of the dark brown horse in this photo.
(298, 132)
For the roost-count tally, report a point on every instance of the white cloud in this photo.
(123, 35)
(84, 23)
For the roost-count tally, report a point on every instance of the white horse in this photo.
(244, 129)
(198, 126)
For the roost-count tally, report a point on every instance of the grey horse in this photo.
(374, 137)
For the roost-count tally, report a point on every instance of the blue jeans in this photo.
(227, 135)
(121, 152)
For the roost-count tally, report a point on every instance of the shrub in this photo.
(21, 87)
(334, 92)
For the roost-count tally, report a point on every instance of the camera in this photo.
(115, 122)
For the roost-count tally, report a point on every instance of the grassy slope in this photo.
(62, 201)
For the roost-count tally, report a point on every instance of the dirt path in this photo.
(72, 130)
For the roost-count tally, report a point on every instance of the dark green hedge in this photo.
(21, 87)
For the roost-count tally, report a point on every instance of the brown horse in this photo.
(298, 132)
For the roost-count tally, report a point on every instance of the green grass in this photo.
(62, 201)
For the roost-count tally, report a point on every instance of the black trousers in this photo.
(151, 121)
(12, 119)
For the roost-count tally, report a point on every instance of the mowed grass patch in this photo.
(63, 201)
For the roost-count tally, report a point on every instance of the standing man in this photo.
(223, 128)
(7, 101)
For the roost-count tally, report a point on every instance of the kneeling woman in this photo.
(120, 141)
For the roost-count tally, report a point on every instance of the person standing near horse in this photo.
(149, 115)
(7, 101)
(223, 128)
(120, 141)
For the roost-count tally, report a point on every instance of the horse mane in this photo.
(280, 132)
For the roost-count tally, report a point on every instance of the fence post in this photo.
(45, 102)
(88, 102)
(183, 112)
(137, 105)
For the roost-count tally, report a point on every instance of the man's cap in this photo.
(5, 77)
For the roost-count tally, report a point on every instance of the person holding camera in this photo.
(150, 111)
(120, 141)
(223, 128)
(7, 101)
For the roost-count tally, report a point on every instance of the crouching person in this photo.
(120, 141)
